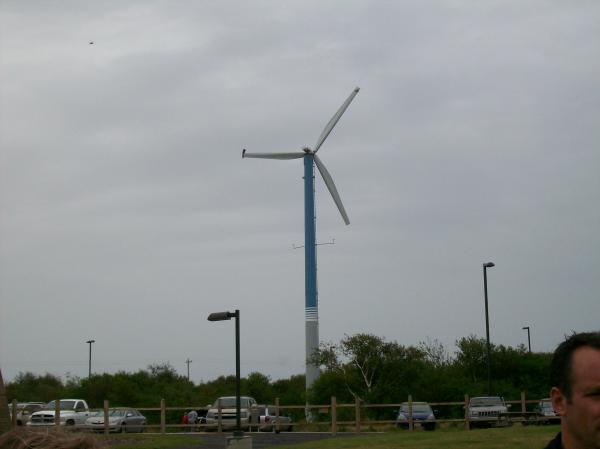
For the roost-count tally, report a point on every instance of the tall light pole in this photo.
(222, 316)
(528, 338)
(89, 342)
(487, 326)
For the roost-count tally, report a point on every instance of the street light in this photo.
(89, 342)
(528, 338)
(222, 316)
(487, 325)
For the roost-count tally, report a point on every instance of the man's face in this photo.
(581, 413)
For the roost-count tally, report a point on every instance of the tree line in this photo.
(361, 366)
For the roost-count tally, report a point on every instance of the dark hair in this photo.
(560, 367)
(20, 438)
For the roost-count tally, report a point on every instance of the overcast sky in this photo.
(127, 214)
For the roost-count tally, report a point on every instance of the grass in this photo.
(515, 437)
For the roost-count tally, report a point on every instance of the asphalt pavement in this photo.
(265, 439)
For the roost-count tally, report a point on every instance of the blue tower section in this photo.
(310, 272)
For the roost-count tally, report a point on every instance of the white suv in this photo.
(488, 411)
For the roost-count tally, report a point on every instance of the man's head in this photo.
(560, 368)
(575, 377)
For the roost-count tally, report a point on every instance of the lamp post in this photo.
(487, 326)
(528, 338)
(89, 342)
(222, 316)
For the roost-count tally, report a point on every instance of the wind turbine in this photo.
(310, 252)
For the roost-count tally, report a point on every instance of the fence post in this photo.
(57, 412)
(277, 426)
(105, 417)
(357, 414)
(333, 415)
(523, 405)
(466, 406)
(411, 424)
(14, 413)
(163, 417)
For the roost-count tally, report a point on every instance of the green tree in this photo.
(31, 387)
(291, 391)
(5, 424)
(259, 387)
(357, 359)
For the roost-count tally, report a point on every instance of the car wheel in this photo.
(122, 429)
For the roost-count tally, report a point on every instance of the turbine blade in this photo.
(331, 186)
(282, 156)
(335, 119)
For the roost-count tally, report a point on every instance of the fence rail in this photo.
(332, 410)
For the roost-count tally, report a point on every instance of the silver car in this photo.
(119, 420)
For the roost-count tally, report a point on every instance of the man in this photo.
(575, 393)
(192, 418)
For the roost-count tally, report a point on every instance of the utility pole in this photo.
(188, 361)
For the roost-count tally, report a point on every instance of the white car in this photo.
(25, 410)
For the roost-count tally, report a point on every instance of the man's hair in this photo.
(560, 367)
(31, 439)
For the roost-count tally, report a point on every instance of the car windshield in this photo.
(486, 402)
(64, 405)
(118, 412)
(417, 408)
(229, 402)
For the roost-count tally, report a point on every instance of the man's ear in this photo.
(559, 401)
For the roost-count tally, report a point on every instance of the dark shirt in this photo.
(555, 443)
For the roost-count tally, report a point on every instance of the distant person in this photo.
(30, 439)
(184, 421)
(192, 418)
(575, 393)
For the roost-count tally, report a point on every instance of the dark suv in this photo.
(422, 415)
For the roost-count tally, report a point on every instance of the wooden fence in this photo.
(331, 424)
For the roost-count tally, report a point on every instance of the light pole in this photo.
(487, 326)
(222, 316)
(528, 338)
(89, 342)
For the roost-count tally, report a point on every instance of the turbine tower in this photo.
(310, 250)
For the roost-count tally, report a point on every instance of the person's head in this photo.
(575, 393)
(20, 438)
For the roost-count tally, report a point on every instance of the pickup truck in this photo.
(73, 412)
(228, 414)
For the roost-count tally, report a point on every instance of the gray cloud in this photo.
(128, 214)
